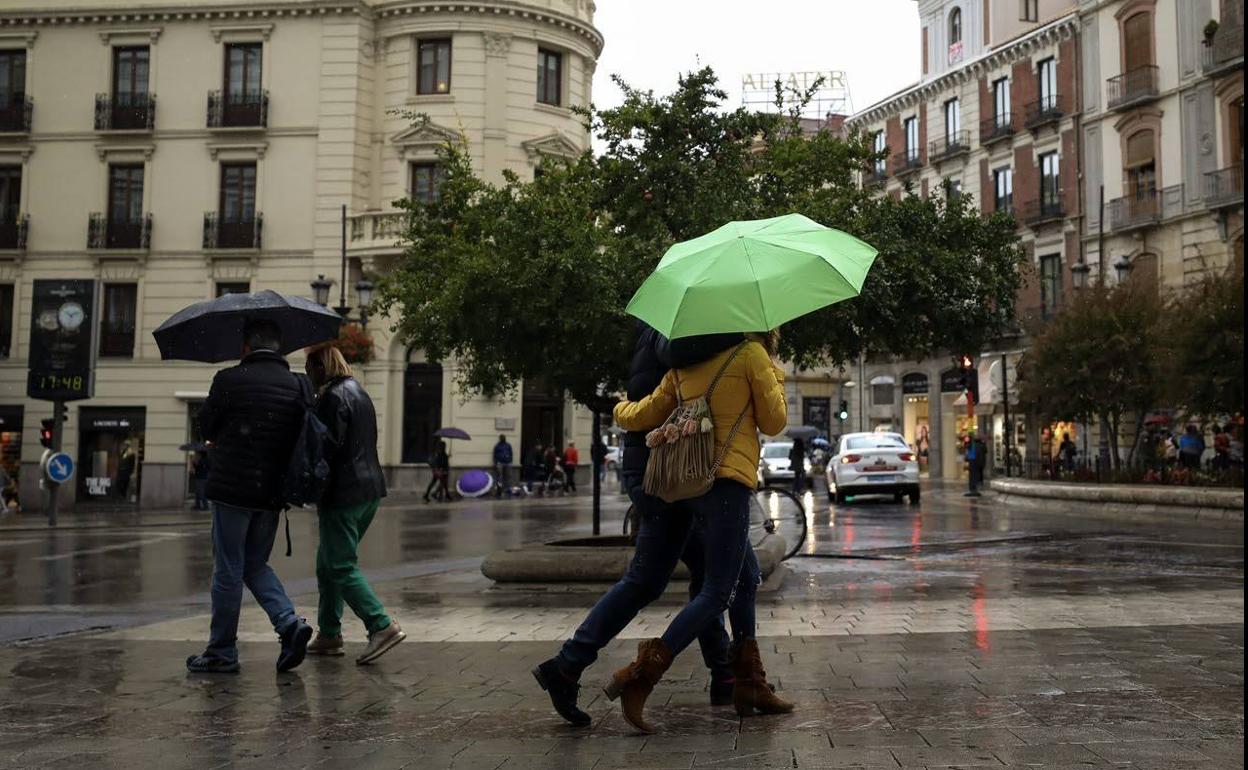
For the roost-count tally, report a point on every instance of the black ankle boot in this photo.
(721, 690)
(563, 690)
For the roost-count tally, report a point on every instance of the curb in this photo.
(1212, 508)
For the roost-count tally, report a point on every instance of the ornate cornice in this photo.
(190, 11)
(1055, 32)
(496, 9)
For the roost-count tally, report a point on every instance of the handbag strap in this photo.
(719, 457)
(715, 381)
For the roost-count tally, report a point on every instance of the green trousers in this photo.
(338, 575)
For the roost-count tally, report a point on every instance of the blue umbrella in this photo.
(212, 331)
(457, 433)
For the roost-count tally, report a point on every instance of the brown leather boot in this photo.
(634, 683)
(751, 692)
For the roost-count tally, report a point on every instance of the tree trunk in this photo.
(1139, 434)
(1115, 421)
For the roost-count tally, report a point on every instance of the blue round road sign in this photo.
(60, 468)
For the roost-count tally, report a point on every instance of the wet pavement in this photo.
(955, 634)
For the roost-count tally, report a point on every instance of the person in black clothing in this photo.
(200, 471)
(440, 464)
(797, 461)
(661, 541)
(352, 497)
(252, 417)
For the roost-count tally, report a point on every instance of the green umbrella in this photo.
(751, 277)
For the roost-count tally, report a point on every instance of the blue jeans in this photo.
(731, 575)
(666, 535)
(241, 543)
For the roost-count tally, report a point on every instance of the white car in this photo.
(613, 457)
(774, 465)
(873, 464)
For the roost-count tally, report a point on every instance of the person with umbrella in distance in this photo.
(252, 419)
(440, 466)
(356, 487)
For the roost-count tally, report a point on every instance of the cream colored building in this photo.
(173, 150)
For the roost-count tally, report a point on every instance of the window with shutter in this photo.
(1137, 34)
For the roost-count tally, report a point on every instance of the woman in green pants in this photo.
(355, 489)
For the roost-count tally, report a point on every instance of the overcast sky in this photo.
(649, 42)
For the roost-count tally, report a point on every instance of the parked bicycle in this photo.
(773, 511)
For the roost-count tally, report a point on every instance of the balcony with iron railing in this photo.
(127, 233)
(996, 129)
(1225, 188)
(1133, 88)
(1043, 111)
(951, 145)
(232, 232)
(875, 175)
(15, 114)
(238, 110)
(13, 232)
(125, 112)
(1225, 52)
(1145, 207)
(1043, 211)
(906, 162)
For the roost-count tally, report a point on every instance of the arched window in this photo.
(1140, 166)
(422, 407)
(1137, 41)
(955, 26)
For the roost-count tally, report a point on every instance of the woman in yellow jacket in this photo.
(751, 388)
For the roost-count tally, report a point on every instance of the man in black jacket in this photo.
(251, 418)
(663, 536)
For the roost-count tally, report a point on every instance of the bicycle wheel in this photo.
(778, 512)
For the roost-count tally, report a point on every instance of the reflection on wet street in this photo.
(957, 632)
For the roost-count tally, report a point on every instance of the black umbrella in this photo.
(212, 331)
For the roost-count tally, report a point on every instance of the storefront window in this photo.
(110, 454)
(10, 454)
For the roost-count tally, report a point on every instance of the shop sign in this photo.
(98, 486)
(951, 381)
(915, 384)
(111, 419)
(62, 320)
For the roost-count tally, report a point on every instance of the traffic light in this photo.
(842, 413)
(60, 411)
(45, 432)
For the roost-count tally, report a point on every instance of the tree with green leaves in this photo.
(1204, 334)
(1100, 360)
(530, 278)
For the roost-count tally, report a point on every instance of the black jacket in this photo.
(653, 355)
(355, 475)
(252, 417)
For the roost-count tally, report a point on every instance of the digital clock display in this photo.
(60, 382)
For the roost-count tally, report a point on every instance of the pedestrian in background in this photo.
(352, 496)
(440, 467)
(503, 458)
(1222, 448)
(571, 458)
(797, 461)
(1191, 447)
(252, 417)
(200, 468)
(598, 456)
(1067, 452)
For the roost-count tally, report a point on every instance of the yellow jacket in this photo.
(751, 380)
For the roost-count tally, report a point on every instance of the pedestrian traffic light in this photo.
(45, 432)
(60, 411)
(842, 413)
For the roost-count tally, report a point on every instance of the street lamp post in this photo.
(363, 287)
(1123, 269)
(1079, 274)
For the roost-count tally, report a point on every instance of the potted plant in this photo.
(354, 343)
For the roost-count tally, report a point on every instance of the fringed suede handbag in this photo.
(683, 461)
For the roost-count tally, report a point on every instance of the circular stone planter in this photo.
(592, 560)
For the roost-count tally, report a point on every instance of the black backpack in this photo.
(307, 475)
